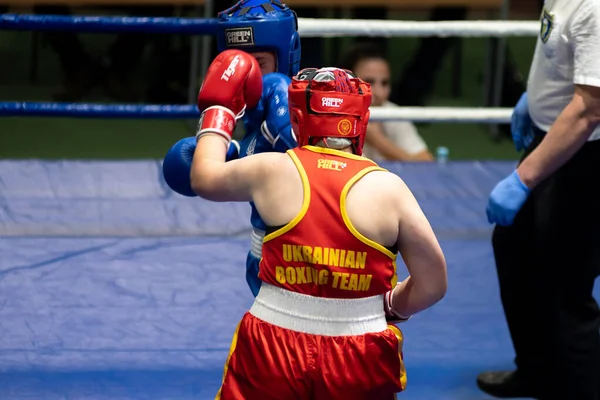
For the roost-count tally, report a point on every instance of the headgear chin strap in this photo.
(329, 103)
(262, 25)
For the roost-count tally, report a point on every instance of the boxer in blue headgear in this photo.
(257, 26)
(268, 30)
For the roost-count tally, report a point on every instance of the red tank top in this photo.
(320, 253)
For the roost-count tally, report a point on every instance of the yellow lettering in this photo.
(290, 275)
(287, 252)
(344, 280)
(334, 256)
(300, 275)
(341, 258)
(280, 274)
(330, 164)
(323, 276)
(297, 253)
(307, 253)
(353, 284)
(361, 259)
(317, 255)
(349, 262)
(324, 256)
(348, 281)
(336, 277)
(364, 282)
(309, 278)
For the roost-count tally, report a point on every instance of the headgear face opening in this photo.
(262, 25)
(329, 103)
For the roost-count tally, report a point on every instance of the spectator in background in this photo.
(417, 79)
(391, 140)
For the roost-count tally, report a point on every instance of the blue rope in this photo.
(82, 110)
(25, 22)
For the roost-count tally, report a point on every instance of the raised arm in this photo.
(216, 180)
(232, 83)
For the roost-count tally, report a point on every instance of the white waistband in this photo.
(256, 242)
(317, 315)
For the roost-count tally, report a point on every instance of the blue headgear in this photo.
(262, 25)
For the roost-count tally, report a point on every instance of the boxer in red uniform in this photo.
(317, 329)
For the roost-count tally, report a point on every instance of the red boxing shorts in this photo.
(293, 346)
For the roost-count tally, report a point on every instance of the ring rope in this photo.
(307, 27)
(314, 27)
(90, 24)
(155, 111)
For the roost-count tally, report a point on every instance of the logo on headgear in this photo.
(332, 102)
(344, 127)
(239, 36)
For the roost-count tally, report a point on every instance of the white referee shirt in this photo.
(567, 54)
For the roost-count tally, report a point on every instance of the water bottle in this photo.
(442, 155)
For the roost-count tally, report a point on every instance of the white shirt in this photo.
(567, 53)
(403, 133)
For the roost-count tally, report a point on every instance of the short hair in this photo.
(359, 52)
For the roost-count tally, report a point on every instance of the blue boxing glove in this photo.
(506, 200)
(271, 115)
(520, 124)
(177, 164)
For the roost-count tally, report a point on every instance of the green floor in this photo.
(58, 138)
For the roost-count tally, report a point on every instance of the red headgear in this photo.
(329, 102)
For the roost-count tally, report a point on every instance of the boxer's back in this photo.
(376, 203)
(319, 199)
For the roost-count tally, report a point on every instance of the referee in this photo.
(547, 214)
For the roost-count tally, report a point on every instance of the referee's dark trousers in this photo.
(547, 262)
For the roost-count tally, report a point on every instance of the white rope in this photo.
(312, 27)
(442, 114)
(320, 27)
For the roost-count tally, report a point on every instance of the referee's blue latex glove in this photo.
(520, 124)
(506, 200)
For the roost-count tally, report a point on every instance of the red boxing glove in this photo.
(232, 83)
(391, 316)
